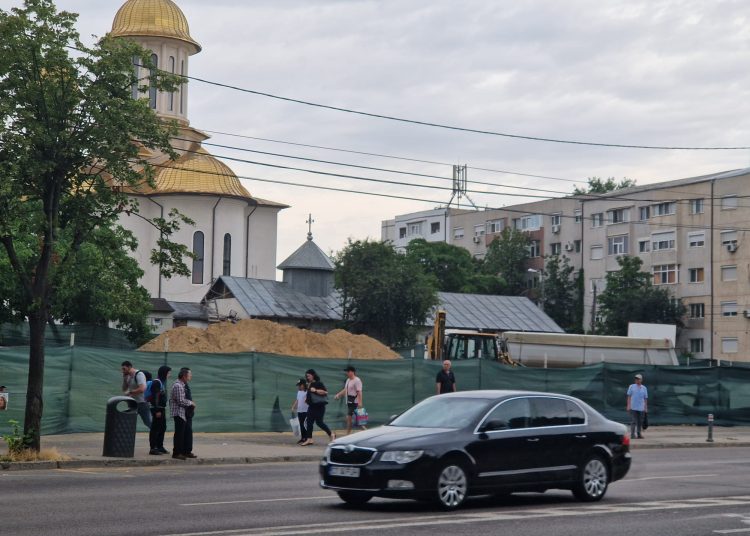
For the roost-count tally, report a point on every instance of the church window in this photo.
(152, 88)
(134, 87)
(198, 260)
(171, 93)
(182, 87)
(227, 254)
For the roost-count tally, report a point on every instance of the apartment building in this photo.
(689, 233)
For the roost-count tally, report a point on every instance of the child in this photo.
(300, 406)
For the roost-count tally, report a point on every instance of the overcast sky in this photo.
(671, 73)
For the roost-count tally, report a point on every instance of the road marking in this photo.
(731, 531)
(668, 477)
(483, 517)
(262, 500)
(97, 473)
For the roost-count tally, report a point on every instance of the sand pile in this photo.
(270, 337)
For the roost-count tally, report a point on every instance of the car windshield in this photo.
(442, 412)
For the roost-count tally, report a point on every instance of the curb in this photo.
(689, 445)
(132, 462)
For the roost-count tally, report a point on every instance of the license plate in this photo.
(352, 472)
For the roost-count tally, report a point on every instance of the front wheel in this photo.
(452, 486)
(355, 498)
(593, 480)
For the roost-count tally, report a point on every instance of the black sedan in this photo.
(451, 446)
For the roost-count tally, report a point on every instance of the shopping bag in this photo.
(362, 417)
(645, 421)
(294, 423)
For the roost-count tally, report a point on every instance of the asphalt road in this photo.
(668, 492)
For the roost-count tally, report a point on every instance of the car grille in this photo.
(358, 456)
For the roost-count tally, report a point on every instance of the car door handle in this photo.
(582, 436)
(532, 439)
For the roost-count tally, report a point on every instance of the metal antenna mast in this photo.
(460, 185)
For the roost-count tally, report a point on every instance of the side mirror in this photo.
(493, 425)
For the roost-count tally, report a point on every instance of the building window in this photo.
(435, 227)
(729, 273)
(402, 232)
(696, 275)
(696, 346)
(644, 245)
(578, 216)
(227, 264)
(598, 284)
(665, 274)
(171, 94)
(556, 248)
(729, 308)
(528, 223)
(729, 345)
(479, 230)
(662, 241)
(696, 206)
(644, 213)
(728, 237)
(663, 209)
(135, 93)
(597, 253)
(577, 245)
(697, 240)
(182, 87)
(697, 310)
(597, 220)
(620, 215)
(495, 226)
(729, 202)
(534, 250)
(198, 260)
(617, 245)
(458, 233)
(415, 229)
(555, 219)
(152, 86)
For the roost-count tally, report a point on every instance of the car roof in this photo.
(490, 394)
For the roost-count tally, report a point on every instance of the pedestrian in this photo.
(300, 406)
(353, 392)
(159, 411)
(182, 408)
(317, 398)
(637, 406)
(445, 382)
(134, 385)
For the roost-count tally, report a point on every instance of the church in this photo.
(235, 232)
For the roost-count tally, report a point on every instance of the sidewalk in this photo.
(85, 450)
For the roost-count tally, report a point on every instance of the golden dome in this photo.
(197, 172)
(158, 18)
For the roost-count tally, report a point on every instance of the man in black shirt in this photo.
(445, 381)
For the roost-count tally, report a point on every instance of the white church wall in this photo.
(262, 258)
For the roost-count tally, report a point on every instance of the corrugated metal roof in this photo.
(274, 299)
(309, 257)
(497, 313)
(160, 305)
(189, 311)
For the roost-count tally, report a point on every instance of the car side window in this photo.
(509, 415)
(575, 413)
(548, 412)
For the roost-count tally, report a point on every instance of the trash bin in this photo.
(119, 428)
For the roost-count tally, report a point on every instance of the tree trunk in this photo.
(34, 403)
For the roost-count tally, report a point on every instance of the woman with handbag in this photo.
(317, 398)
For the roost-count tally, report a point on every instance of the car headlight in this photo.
(401, 456)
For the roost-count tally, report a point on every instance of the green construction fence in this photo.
(254, 391)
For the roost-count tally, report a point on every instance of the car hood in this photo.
(388, 436)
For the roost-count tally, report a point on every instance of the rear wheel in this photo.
(452, 485)
(593, 480)
(355, 498)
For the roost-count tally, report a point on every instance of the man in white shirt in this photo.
(353, 391)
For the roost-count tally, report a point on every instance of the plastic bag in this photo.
(294, 423)
(361, 416)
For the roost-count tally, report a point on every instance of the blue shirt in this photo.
(638, 395)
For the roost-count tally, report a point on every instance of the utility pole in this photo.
(593, 312)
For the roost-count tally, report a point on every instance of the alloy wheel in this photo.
(452, 486)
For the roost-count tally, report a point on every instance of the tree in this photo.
(560, 295)
(68, 130)
(383, 294)
(599, 186)
(631, 297)
(506, 257)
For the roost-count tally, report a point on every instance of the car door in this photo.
(556, 443)
(502, 453)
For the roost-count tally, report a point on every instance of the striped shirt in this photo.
(178, 402)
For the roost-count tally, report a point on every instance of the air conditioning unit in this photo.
(747, 313)
(732, 247)
(477, 239)
(555, 229)
(568, 247)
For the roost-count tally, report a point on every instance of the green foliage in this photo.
(383, 294)
(597, 185)
(630, 297)
(560, 296)
(506, 257)
(17, 442)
